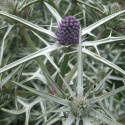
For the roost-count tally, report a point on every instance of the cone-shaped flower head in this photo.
(68, 31)
(115, 8)
(81, 106)
(8, 5)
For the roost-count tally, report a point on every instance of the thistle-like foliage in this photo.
(68, 31)
(50, 87)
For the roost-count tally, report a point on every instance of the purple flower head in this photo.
(68, 31)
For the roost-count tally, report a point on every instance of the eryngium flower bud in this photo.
(8, 5)
(68, 31)
(80, 106)
(115, 8)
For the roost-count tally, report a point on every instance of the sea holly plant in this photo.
(62, 67)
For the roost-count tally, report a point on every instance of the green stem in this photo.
(51, 84)
(74, 69)
(63, 70)
(33, 49)
(19, 92)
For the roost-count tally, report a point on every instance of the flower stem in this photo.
(19, 92)
(63, 70)
(33, 49)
